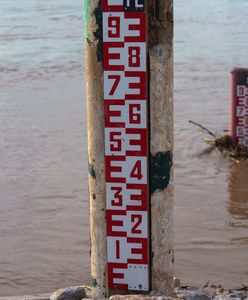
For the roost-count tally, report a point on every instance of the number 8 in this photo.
(134, 57)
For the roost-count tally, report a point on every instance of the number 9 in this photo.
(114, 27)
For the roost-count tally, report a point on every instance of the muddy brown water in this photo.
(44, 211)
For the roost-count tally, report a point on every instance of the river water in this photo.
(44, 222)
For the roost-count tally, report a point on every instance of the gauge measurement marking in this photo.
(126, 143)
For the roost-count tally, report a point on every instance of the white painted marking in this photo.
(126, 194)
(130, 113)
(115, 2)
(126, 250)
(117, 86)
(136, 276)
(125, 30)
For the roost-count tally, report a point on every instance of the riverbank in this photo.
(210, 291)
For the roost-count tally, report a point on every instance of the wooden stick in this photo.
(202, 127)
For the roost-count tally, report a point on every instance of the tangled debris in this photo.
(225, 145)
(228, 149)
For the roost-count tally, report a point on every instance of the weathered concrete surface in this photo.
(160, 38)
(95, 116)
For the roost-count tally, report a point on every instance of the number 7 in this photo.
(117, 79)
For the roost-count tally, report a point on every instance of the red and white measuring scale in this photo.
(239, 107)
(126, 143)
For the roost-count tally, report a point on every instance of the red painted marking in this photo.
(142, 197)
(114, 226)
(114, 172)
(134, 113)
(137, 171)
(118, 249)
(141, 86)
(107, 47)
(141, 142)
(141, 27)
(113, 275)
(240, 121)
(142, 250)
(110, 112)
(114, 25)
(116, 80)
(106, 7)
(136, 220)
(115, 141)
(134, 57)
(118, 199)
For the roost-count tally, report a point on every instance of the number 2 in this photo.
(138, 220)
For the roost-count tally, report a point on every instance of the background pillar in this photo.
(238, 126)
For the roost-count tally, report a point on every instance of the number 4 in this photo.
(137, 171)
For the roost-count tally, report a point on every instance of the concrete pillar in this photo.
(95, 116)
(160, 120)
(160, 37)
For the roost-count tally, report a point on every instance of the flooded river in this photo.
(44, 210)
